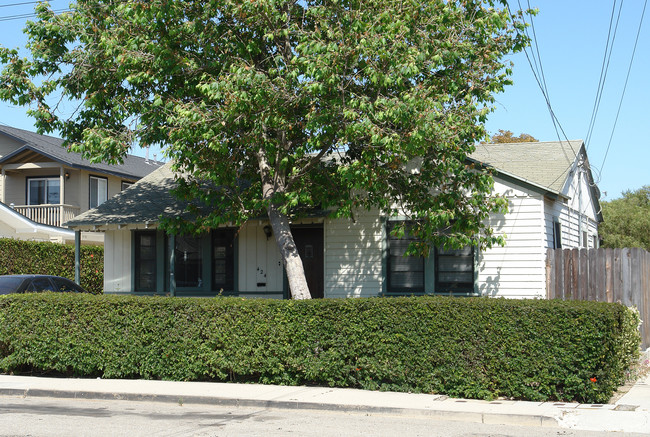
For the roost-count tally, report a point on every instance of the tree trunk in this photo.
(282, 232)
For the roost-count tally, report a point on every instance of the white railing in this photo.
(52, 215)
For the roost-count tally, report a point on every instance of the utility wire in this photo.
(18, 4)
(541, 82)
(627, 77)
(609, 46)
(28, 15)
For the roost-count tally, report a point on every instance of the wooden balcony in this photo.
(53, 215)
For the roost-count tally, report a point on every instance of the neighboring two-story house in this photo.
(42, 185)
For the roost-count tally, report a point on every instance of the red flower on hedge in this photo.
(593, 379)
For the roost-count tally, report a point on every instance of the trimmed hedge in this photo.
(45, 258)
(474, 348)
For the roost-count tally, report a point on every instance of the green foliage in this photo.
(475, 348)
(508, 137)
(626, 221)
(45, 258)
(271, 91)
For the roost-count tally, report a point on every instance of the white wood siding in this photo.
(354, 250)
(117, 261)
(516, 270)
(577, 207)
(353, 256)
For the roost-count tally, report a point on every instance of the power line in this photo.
(627, 77)
(28, 15)
(541, 80)
(18, 4)
(609, 46)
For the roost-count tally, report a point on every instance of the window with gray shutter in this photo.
(405, 273)
(145, 261)
(223, 260)
(455, 270)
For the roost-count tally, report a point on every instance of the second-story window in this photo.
(41, 191)
(98, 191)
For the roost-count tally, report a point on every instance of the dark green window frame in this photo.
(405, 274)
(447, 272)
(222, 258)
(455, 271)
(146, 261)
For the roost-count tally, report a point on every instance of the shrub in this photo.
(475, 348)
(45, 258)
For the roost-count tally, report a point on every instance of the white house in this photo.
(553, 203)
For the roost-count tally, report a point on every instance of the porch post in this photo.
(77, 256)
(3, 181)
(172, 265)
(61, 196)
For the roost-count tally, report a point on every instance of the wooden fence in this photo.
(605, 275)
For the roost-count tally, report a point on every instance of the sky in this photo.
(571, 39)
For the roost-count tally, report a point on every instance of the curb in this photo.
(493, 418)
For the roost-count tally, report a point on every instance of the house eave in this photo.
(89, 168)
(110, 226)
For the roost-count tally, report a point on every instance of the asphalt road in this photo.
(70, 417)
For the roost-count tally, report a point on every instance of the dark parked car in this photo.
(37, 284)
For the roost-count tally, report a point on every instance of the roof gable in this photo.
(133, 167)
(545, 164)
(144, 202)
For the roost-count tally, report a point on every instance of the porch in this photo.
(48, 214)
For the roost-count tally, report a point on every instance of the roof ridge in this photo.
(132, 166)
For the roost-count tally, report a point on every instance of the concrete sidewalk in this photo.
(630, 413)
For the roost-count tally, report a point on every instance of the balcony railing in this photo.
(53, 215)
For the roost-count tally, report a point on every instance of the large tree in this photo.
(626, 221)
(506, 136)
(275, 107)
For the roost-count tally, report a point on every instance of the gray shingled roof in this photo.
(546, 164)
(143, 202)
(133, 167)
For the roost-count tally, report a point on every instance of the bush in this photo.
(475, 348)
(45, 258)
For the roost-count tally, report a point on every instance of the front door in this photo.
(310, 247)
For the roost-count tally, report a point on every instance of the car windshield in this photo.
(9, 284)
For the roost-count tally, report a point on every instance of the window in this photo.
(585, 242)
(405, 273)
(40, 285)
(188, 268)
(223, 260)
(557, 234)
(455, 270)
(98, 191)
(125, 185)
(41, 191)
(145, 261)
(66, 285)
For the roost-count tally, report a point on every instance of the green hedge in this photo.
(474, 348)
(45, 258)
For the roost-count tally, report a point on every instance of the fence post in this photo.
(550, 281)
